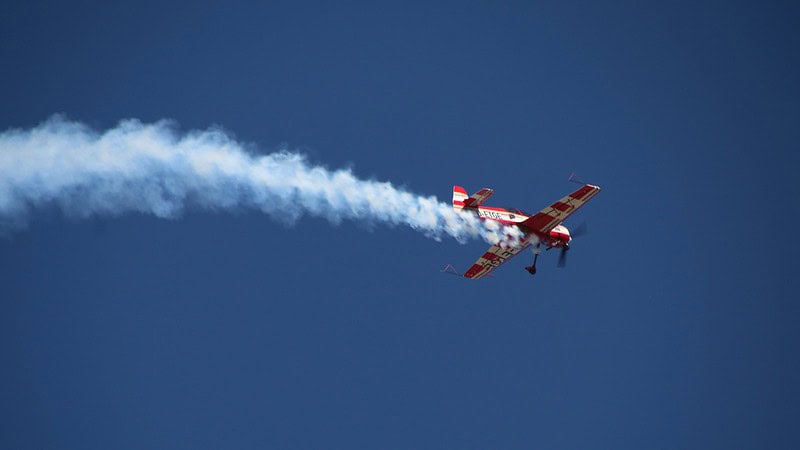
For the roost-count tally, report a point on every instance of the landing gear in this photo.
(532, 268)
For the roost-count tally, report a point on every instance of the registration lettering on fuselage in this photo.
(490, 214)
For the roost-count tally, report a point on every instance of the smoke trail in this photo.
(150, 168)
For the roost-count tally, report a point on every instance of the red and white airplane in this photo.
(542, 228)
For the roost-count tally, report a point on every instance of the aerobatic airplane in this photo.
(541, 229)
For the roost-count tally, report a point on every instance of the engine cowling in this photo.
(560, 236)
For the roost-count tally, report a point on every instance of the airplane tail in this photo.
(459, 196)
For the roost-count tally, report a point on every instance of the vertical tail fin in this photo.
(459, 196)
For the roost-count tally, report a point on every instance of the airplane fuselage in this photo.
(543, 228)
(557, 237)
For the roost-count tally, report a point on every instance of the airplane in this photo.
(541, 229)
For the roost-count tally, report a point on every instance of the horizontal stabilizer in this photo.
(460, 199)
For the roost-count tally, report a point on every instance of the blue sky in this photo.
(673, 326)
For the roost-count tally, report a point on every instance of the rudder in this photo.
(459, 195)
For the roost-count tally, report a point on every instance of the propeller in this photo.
(562, 257)
(580, 230)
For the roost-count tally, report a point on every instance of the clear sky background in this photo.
(674, 324)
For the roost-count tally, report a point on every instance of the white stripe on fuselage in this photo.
(500, 216)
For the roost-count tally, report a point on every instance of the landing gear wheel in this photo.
(531, 270)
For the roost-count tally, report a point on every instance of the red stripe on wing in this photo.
(582, 192)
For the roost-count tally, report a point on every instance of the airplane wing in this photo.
(547, 219)
(478, 198)
(492, 259)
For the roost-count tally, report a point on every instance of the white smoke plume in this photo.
(152, 169)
